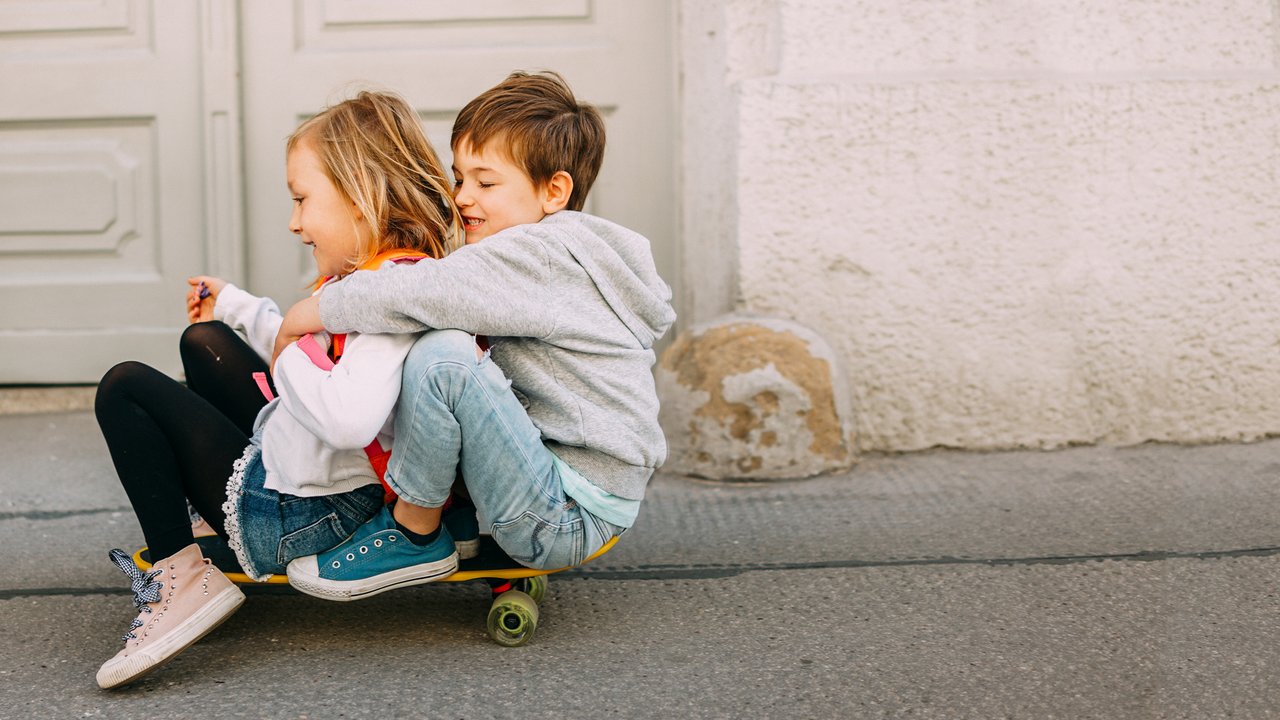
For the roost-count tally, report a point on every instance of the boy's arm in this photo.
(500, 287)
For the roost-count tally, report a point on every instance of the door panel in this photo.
(101, 184)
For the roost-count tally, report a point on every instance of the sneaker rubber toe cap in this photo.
(304, 567)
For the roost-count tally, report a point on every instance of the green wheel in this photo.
(535, 587)
(513, 618)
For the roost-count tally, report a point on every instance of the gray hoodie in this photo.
(572, 307)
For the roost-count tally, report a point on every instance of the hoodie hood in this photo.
(620, 263)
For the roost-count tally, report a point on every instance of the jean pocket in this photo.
(535, 542)
(315, 538)
(357, 506)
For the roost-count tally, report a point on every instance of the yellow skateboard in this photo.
(517, 590)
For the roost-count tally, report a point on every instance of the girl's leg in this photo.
(219, 366)
(168, 445)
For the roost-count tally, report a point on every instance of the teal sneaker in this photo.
(376, 558)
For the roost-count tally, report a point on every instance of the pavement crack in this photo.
(58, 514)
(696, 571)
(707, 572)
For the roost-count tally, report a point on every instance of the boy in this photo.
(555, 428)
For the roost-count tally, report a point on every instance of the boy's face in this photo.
(322, 215)
(492, 192)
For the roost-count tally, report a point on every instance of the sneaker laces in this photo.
(146, 589)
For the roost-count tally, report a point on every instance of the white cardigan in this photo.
(314, 434)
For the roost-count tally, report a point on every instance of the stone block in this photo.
(753, 398)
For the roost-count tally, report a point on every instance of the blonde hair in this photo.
(374, 150)
(540, 126)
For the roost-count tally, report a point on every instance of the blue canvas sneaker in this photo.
(377, 557)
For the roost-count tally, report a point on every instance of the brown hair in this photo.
(540, 126)
(375, 151)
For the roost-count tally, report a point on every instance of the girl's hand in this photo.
(302, 319)
(200, 309)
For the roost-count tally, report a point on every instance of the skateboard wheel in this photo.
(535, 587)
(513, 618)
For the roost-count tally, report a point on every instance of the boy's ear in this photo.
(555, 194)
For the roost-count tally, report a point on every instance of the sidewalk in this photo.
(1088, 582)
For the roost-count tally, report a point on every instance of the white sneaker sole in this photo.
(120, 670)
(305, 578)
(467, 549)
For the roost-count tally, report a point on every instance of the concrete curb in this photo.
(27, 400)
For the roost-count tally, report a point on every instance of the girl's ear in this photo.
(556, 192)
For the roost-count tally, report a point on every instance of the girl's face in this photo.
(322, 216)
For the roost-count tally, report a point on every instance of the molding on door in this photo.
(224, 222)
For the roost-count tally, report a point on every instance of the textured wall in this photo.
(1017, 223)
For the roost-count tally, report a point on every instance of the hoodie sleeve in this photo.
(501, 287)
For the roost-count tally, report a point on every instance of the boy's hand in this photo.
(302, 319)
(202, 296)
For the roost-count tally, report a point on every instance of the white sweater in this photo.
(314, 433)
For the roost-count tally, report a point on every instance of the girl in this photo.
(367, 188)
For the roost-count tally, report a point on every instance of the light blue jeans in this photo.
(459, 411)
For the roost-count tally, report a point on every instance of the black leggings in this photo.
(172, 443)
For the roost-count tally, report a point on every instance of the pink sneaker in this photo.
(200, 528)
(180, 600)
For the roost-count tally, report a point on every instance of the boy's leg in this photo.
(457, 409)
(379, 555)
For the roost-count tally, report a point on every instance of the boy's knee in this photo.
(437, 348)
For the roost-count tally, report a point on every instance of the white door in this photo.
(123, 168)
(117, 139)
(439, 54)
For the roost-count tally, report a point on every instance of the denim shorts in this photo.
(267, 529)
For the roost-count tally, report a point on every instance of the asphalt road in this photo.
(1082, 583)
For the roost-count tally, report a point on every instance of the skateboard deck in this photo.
(490, 563)
(517, 590)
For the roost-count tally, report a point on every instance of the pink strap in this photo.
(308, 345)
(261, 379)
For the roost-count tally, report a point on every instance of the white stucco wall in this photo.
(1018, 223)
